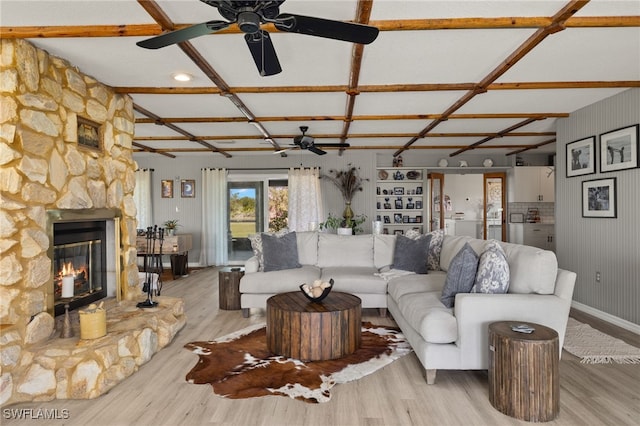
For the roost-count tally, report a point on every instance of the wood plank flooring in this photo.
(606, 394)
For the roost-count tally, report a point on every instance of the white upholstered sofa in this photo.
(442, 338)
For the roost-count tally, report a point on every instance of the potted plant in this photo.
(348, 182)
(344, 226)
(171, 226)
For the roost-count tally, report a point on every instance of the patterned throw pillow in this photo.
(435, 246)
(460, 276)
(256, 245)
(411, 254)
(493, 271)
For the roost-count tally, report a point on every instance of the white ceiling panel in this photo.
(433, 9)
(187, 105)
(404, 102)
(327, 127)
(292, 104)
(221, 129)
(388, 126)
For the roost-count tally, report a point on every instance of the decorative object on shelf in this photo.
(336, 223)
(488, 162)
(398, 161)
(167, 188)
(383, 175)
(171, 226)
(348, 182)
(599, 198)
(413, 175)
(398, 175)
(619, 149)
(443, 162)
(463, 163)
(318, 290)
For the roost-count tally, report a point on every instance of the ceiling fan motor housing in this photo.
(249, 22)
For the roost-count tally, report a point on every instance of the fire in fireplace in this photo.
(79, 263)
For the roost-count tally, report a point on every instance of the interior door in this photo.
(245, 217)
(436, 201)
(495, 208)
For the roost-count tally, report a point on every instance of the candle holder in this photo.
(67, 331)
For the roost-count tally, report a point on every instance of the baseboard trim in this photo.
(627, 325)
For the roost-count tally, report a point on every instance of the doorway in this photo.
(436, 201)
(245, 217)
(495, 207)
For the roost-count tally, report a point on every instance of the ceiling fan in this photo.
(307, 142)
(250, 14)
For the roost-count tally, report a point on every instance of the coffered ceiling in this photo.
(447, 76)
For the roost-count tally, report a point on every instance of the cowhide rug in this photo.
(240, 366)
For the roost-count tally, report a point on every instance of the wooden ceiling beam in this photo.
(494, 136)
(148, 30)
(538, 145)
(151, 150)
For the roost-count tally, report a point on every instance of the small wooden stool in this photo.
(523, 371)
(229, 288)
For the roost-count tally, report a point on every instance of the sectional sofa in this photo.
(442, 337)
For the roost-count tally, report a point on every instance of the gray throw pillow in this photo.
(493, 271)
(461, 275)
(280, 252)
(411, 254)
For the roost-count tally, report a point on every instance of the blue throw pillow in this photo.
(280, 252)
(411, 254)
(493, 271)
(461, 275)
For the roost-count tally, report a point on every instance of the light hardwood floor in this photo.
(396, 395)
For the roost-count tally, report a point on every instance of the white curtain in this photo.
(142, 198)
(214, 244)
(305, 199)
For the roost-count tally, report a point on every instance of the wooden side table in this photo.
(229, 287)
(310, 331)
(523, 371)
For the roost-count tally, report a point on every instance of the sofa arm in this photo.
(251, 265)
(474, 313)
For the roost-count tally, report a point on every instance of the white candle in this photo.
(67, 286)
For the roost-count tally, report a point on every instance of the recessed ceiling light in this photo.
(182, 76)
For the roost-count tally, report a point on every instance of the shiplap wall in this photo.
(610, 246)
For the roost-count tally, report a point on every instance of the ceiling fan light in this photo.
(182, 76)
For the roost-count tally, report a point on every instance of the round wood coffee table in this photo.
(313, 331)
(523, 371)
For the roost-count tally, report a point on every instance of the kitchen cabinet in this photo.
(400, 199)
(531, 184)
(541, 235)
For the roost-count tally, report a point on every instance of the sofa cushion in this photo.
(383, 247)
(461, 275)
(345, 250)
(435, 246)
(256, 245)
(429, 317)
(531, 269)
(278, 281)
(416, 283)
(307, 247)
(280, 252)
(452, 244)
(411, 254)
(493, 271)
(355, 279)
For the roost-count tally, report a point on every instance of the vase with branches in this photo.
(348, 182)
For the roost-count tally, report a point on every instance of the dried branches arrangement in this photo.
(347, 181)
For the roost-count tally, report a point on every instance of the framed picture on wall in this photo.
(188, 188)
(619, 149)
(89, 134)
(581, 157)
(599, 198)
(166, 189)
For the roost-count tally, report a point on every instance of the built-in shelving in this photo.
(401, 199)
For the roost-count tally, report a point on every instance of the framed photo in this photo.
(89, 134)
(599, 198)
(619, 149)
(581, 157)
(418, 219)
(387, 219)
(398, 190)
(397, 218)
(418, 204)
(166, 189)
(410, 205)
(398, 204)
(188, 188)
(405, 219)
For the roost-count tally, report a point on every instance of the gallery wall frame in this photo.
(188, 188)
(619, 149)
(166, 188)
(89, 134)
(599, 198)
(581, 157)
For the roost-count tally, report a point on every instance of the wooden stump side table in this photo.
(229, 288)
(523, 371)
(310, 331)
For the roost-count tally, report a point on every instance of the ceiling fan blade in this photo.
(316, 150)
(337, 145)
(337, 30)
(183, 34)
(263, 52)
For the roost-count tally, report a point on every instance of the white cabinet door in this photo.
(531, 184)
(539, 235)
(547, 185)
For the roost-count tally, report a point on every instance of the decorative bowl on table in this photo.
(317, 291)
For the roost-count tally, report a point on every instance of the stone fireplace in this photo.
(48, 180)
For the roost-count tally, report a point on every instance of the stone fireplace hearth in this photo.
(45, 170)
